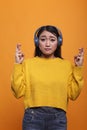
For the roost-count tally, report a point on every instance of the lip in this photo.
(47, 49)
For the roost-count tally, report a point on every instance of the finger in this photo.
(76, 58)
(18, 52)
(18, 47)
(19, 55)
(81, 50)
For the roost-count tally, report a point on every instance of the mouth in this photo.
(47, 49)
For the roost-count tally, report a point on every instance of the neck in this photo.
(48, 56)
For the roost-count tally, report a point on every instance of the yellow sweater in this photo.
(46, 82)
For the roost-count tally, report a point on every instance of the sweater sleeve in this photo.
(18, 80)
(75, 82)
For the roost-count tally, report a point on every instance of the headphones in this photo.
(36, 39)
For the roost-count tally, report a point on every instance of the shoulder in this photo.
(67, 64)
(64, 61)
(30, 60)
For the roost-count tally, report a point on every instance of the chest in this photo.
(49, 74)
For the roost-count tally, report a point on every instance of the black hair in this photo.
(54, 31)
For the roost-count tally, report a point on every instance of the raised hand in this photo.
(19, 56)
(78, 59)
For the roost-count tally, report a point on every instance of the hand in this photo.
(19, 56)
(79, 58)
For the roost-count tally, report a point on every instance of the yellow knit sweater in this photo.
(46, 82)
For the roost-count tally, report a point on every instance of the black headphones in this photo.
(36, 40)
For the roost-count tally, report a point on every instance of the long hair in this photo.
(52, 30)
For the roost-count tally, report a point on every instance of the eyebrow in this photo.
(45, 36)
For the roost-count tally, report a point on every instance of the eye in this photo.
(42, 39)
(52, 40)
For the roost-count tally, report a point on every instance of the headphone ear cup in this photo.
(60, 40)
(36, 40)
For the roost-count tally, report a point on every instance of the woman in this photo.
(46, 81)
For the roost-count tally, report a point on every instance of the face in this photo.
(48, 44)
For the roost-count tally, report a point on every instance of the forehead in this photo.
(47, 34)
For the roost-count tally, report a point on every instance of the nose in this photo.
(47, 42)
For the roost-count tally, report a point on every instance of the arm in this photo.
(75, 82)
(17, 77)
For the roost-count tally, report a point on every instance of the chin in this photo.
(48, 55)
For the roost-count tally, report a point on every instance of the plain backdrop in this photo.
(18, 21)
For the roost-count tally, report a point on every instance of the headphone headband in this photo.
(36, 40)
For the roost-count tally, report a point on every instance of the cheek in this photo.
(41, 48)
(54, 46)
(41, 45)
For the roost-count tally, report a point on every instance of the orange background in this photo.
(18, 21)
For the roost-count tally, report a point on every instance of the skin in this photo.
(19, 56)
(48, 44)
